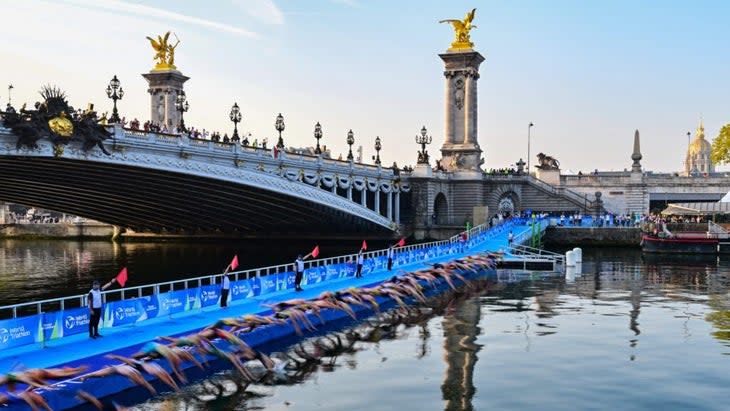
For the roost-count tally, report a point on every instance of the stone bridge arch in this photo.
(505, 198)
(441, 209)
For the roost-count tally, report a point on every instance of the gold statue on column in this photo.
(164, 52)
(461, 30)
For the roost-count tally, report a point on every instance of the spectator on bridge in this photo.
(245, 141)
(264, 142)
(94, 301)
(226, 139)
(510, 238)
(255, 143)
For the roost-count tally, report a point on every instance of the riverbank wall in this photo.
(77, 231)
(593, 236)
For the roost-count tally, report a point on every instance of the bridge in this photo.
(176, 184)
(163, 183)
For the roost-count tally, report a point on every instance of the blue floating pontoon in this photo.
(77, 350)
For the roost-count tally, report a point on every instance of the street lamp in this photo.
(317, 135)
(279, 125)
(350, 142)
(378, 146)
(235, 116)
(115, 92)
(182, 106)
(423, 139)
(529, 127)
(688, 138)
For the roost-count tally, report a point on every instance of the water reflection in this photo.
(461, 328)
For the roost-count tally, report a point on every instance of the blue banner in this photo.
(255, 285)
(332, 272)
(51, 325)
(240, 290)
(124, 312)
(75, 321)
(193, 299)
(19, 331)
(268, 284)
(210, 295)
(171, 302)
(311, 276)
(151, 305)
(284, 281)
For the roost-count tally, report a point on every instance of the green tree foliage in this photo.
(721, 146)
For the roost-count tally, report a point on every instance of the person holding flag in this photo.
(94, 301)
(360, 259)
(299, 268)
(391, 250)
(226, 283)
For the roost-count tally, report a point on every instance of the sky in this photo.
(586, 73)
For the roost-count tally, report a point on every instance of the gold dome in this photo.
(699, 146)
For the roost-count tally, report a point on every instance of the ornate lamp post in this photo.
(378, 146)
(317, 135)
(279, 125)
(350, 142)
(182, 106)
(235, 116)
(115, 92)
(529, 127)
(423, 139)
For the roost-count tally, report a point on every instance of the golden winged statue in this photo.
(164, 52)
(461, 30)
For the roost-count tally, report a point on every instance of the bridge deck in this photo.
(79, 349)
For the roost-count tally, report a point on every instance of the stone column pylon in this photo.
(461, 151)
(164, 87)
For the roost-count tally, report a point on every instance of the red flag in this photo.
(364, 245)
(401, 242)
(121, 278)
(315, 252)
(234, 262)
(274, 152)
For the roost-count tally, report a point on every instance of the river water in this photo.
(631, 333)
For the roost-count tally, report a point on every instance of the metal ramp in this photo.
(522, 257)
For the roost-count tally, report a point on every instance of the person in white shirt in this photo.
(390, 257)
(510, 238)
(360, 260)
(299, 271)
(94, 301)
(225, 288)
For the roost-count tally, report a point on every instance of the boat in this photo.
(691, 243)
(691, 238)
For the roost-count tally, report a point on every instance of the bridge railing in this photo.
(209, 145)
(430, 250)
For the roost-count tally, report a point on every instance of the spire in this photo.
(700, 130)
(636, 155)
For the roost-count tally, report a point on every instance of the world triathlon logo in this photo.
(119, 313)
(4, 335)
(70, 322)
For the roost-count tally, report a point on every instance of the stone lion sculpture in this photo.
(546, 162)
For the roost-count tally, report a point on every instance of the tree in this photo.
(721, 146)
